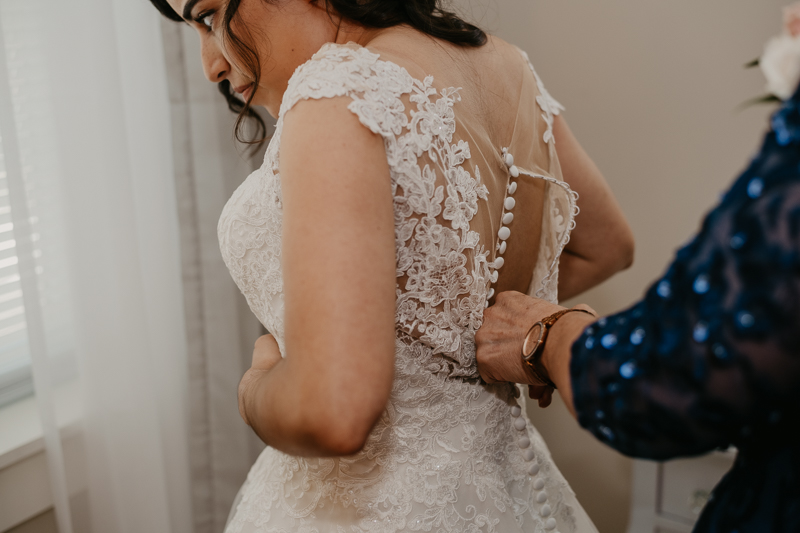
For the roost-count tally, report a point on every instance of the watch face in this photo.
(533, 340)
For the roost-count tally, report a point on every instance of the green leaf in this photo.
(760, 100)
(754, 63)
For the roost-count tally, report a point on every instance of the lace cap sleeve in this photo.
(550, 106)
(351, 70)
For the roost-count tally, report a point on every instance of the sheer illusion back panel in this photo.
(497, 108)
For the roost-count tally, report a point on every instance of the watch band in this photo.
(532, 349)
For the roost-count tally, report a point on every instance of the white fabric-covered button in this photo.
(519, 423)
(508, 218)
(504, 233)
(509, 203)
(541, 497)
(545, 512)
(516, 411)
(509, 160)
(512, 187)
(514, 171)
(529, 455)
(550, 524)
(524, 442)
(495, 275)
(499, 262)
(486, 304)
(491, 293)
(533, 469)
(538, 484)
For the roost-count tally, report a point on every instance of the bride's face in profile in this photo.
(280, 34)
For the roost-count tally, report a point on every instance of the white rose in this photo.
(781, 65)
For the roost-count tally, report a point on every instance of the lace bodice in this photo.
(446, 455)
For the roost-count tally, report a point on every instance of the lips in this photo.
(244, 90)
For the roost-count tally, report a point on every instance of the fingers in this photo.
(547, 398)
(536, 391)
(266, 353)
(542, 393)
(265, 341)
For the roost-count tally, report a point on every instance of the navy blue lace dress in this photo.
(711, 356)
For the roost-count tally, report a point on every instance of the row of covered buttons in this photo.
(504, 232)
(538, 484)
(524, 441)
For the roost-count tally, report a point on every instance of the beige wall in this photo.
(651, 90)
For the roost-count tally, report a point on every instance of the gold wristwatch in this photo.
(533, 345)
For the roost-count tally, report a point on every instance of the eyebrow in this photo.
(187, 9)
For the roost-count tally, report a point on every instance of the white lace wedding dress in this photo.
(449, 454)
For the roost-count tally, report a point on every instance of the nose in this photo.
(215, 66)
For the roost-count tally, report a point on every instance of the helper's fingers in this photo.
(547, 398)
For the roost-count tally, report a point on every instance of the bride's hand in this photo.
(266, 354)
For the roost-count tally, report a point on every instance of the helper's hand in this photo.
(499, 341)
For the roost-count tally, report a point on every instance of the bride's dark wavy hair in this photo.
(427, 16)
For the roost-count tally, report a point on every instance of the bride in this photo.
(415, 171)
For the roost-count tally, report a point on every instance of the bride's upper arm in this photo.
(338, 261)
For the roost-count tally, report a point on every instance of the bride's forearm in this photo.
(578, 274)
(270, 419)
(289, 414)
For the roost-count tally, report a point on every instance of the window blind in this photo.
(36, 142)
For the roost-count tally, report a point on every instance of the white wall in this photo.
(651, 90)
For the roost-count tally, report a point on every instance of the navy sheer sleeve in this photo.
(711, 356)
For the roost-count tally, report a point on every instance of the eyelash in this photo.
(201, 19)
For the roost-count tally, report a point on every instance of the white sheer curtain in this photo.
(102, 134)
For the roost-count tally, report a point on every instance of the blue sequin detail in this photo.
(738, 241)
(607, 432)
(628, 370)
(602, 322)
(664, 289)
(599, 414)
(785, 123)
(700, 333)
(688, 397)
(637, 336)
(589, 343)
(755, 188)
(609, 341)
(745, 319)
(701, 284)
